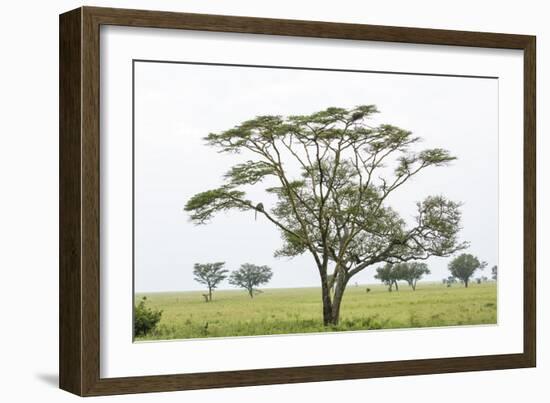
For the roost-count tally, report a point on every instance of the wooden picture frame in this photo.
(79, 201)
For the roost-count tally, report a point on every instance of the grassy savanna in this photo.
(298, 310)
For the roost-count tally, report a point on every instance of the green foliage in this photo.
(145, 319)
(463, 267)
(249, 173)
(205, 204)
(250, 276)
(287, 311)
(209, 274)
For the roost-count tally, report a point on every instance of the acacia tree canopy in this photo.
(250, 276)
(334, 207)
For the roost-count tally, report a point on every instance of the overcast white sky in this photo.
(176, 105)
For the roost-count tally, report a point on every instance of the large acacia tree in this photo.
(333, 206)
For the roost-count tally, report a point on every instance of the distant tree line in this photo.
(461, 268)
(410, 272)
(248, 276)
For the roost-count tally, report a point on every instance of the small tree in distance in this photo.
(209, 274)
(464, 266)
(413, 271)
(388, 275)
(249, 276)
(494, 272)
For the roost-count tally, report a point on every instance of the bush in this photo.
(145, 319)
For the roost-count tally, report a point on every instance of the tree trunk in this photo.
(396, 286)
(327, 303)
(251, 293)
(340, 287)
(414, 285)
(209, 293)
(466, 283)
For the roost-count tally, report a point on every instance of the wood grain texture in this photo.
(530, 202)
(79, 200)
(70, 230)
(90, 202)
(316, 29)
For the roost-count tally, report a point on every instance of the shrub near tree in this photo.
(145, 319)
(463, 267)
(211, 275)
(335, 208)
(249, 276)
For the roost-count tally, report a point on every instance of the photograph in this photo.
(278, 200)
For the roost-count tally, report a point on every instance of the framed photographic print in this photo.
(249, 201)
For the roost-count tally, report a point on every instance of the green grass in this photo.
(298, 310)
